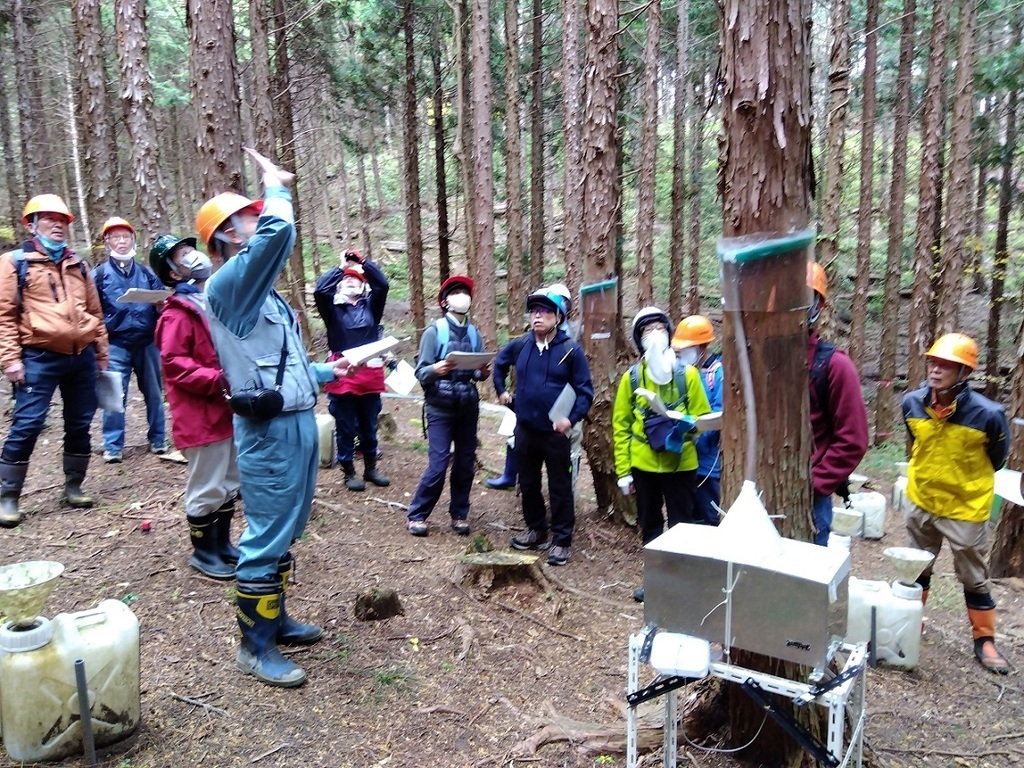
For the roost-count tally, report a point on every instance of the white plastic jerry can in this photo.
(873, 505)
(898, 612)
(39, 706)
(325, 431)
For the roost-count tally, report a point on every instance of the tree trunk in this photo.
(262, 102)
(16, 196)
(835, 138)
(537, 148)
(346, 223)
(38, 175)
(865, 213)
(648, 161)
(920, 328)
(440, 163)
(958, 221)
(95, 117)
(378, 189)
(677, 249)
(515, 253)
(766, 180)
(364, 208)
(696, 172)
(464, 125)
(215, 95)
(482, 266)
(76, 146)
(137, 95)
(601, 203)
(885, 400)
(572, 93)
(411, 174)
(1007, 558)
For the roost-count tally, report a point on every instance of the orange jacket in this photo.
(60, 308)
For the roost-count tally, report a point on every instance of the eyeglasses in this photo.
(120, 236)
(540, 311)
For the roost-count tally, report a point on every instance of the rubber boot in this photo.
(12, 478)
(508, 479)
(75, 467)
(371, 474)
(983, 627)
(292, 632)
(227, 551)
(352, 481)
(206, 557)
(258, 609)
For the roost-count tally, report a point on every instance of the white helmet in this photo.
(645, 317)
(561, 290)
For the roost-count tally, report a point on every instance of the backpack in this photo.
(819, 372)
(444, 336)
(21, 271)
(680, 380)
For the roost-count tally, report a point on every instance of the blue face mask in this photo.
(54, 250)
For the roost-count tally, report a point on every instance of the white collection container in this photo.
(873, 505)
(898, 612)
(325, 428)
(39, 712)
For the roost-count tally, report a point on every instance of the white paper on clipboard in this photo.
(361, 354)
(109, 393)
(1008, 486)
(469, 361)
(563, 404)
(507, 428)
(401, 380)
(143, 296)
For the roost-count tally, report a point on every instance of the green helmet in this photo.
(161, 252)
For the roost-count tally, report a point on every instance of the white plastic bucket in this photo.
(900, 501)
(325, 431)
(898, 612)
(38, 691)
(873, 505)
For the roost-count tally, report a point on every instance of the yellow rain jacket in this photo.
(953, 460)
(631, 446)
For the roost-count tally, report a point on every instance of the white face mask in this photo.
(655, 339)
(688, 356)
(124, 258)
(348, 291)
(459, 303)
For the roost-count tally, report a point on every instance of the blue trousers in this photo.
(278, 461)
(709, 492)
(443, 427)
(44, 372)
(534, 449)
(822, 518)
(145, 363)
(355, 415)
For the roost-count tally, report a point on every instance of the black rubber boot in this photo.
(12, 478)
(75, 467)
(509, 477)
(292, 632)
(227, 551)
(258, 609)
(352, 481)
(371, 474)
(206, 557)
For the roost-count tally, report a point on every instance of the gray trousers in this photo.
(212, 477)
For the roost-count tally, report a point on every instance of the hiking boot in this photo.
(530, 539)
(159, 449)
(638, 594)
(352, 481)
(112, 457)
(418, 527)
(558, 555)
(372, 475)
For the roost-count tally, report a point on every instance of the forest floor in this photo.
(523, 674)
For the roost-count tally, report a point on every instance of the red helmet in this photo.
(453, 282)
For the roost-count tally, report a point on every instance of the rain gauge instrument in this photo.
(742, 585)
(68, 684)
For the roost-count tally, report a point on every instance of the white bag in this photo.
(110, 392)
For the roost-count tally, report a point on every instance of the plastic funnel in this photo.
(847, 522)
(24, 588)
(908, 562)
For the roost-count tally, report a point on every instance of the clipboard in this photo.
(469, 361)
(359, 355)
(109, 393)
(563, 404)
(143, 296)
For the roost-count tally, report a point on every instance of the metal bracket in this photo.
(657, 688)
(815, 748)
(648, 642)
(835, 682)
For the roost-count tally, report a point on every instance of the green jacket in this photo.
(631, 447)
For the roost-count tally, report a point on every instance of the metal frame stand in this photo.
(844, 696)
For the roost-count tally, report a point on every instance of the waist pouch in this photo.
(257, 403)
(453, 394)
(664, 433)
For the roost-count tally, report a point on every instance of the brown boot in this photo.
(983, 627)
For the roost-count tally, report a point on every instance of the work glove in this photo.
(626, 485)
(352, 255)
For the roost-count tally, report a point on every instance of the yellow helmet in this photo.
(113, 223)
(219, 209)
(45, 204)
(816, 279)
(956, 348)
(693, 331)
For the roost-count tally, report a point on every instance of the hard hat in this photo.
(645, 317)
(816, 279)
(45, 204)
(219, 209)
(693, 331)
(453, 282)
(558, 289)
(161, 252)
(550, 301)
(956, 348)
(113, 223)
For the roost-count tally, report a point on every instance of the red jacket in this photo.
(839, 426)
(192, 375)
(365, 381)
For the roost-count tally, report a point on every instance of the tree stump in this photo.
(485, 568)
(378, 604)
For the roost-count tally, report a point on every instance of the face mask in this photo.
(53, 248)
(688, 356)
(124, 258)
(656, 339)
(814, 311)
(459, 303)
(196, 266)
(348, 292)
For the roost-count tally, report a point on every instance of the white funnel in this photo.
(847, 522)
(24, 588)
(908, 562)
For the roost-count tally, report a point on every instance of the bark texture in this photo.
(835, 133)
(515, 253)
(648, 161)
(679, 187)
(411, 174)
(572, 93)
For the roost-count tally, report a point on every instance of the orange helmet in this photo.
(219, 209)
(693, 331)
(113, 223)
(816, 279)
(45, 204)
(956, 348)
